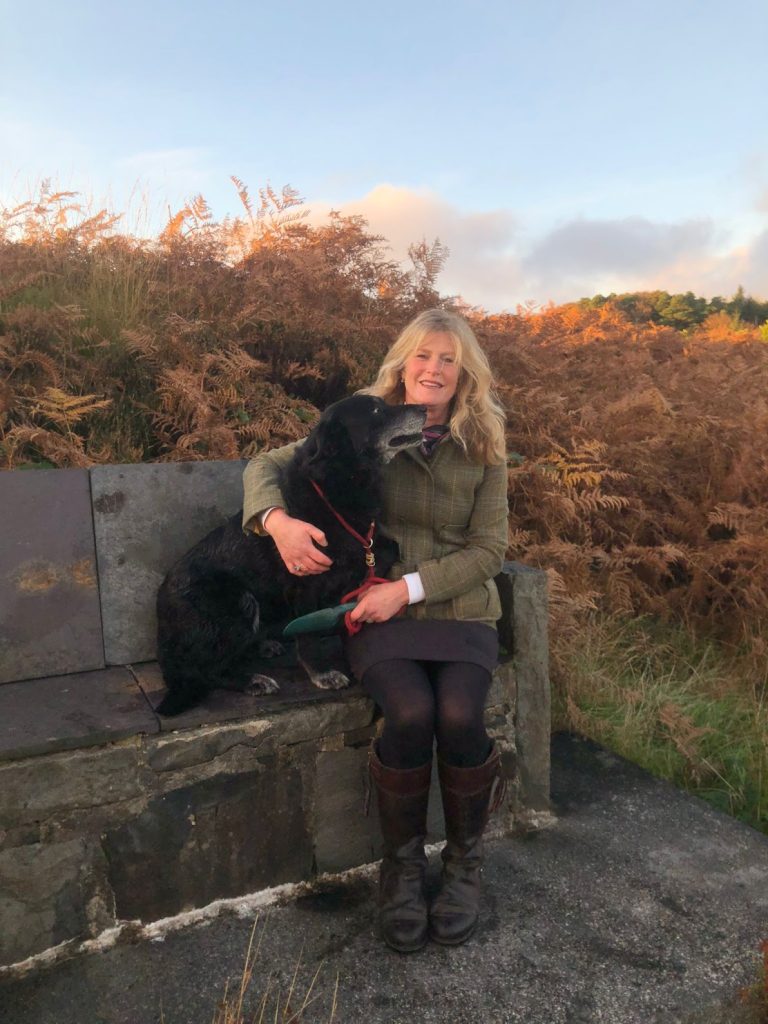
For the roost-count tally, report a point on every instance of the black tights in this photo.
(427, 700)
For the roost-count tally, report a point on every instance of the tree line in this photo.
(683, 311)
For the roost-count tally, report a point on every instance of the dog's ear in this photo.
(311, 446)
(325, 441)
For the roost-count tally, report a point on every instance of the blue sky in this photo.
(558, 148)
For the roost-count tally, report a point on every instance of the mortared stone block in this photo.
(217, 838)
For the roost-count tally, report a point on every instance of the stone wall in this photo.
(107, 811)
(148, 826)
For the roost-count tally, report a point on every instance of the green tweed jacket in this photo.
(447, 514)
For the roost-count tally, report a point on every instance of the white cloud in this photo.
(722, 273)
(495, 263)
(631, 245)
(584, 257)
(482, 266)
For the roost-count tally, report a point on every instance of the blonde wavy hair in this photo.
(477, 418)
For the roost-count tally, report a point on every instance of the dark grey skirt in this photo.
(423, 640)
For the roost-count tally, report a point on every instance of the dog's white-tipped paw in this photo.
(258, 685)
(331, 680)
(271, 649)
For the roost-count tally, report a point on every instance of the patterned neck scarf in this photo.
(431, 437)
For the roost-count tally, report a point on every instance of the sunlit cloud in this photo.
(495, 262)
(482, 259)
(745, 265)
(585, 257)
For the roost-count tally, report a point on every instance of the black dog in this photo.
(222, 606)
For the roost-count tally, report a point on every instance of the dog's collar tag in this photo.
(370, 558)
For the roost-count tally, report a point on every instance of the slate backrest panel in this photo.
(145, 517)
(50, 622)
(83, 553)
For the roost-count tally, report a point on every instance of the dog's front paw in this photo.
(258, 685)
(331, 680)
(271, 649)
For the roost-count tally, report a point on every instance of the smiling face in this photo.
(431, 374)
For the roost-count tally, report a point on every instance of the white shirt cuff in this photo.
(415, 588)
(265, 514)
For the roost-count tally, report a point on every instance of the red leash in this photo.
(367, 542)
(370, 560)
(370, 581)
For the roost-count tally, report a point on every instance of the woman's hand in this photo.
(381, 602)
(296, 541)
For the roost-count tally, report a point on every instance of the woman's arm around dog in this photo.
(295, 540)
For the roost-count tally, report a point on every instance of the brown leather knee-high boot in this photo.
(402, 797)
(470, 795)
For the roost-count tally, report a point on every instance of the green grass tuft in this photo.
(685, 708)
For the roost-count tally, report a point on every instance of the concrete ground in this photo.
(641, 904)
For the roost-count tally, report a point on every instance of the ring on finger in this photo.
(298, 567)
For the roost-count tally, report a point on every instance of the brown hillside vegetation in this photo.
(637, 455)
(209, 342)
(639, 469)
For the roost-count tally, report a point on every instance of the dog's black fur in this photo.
(222, 606)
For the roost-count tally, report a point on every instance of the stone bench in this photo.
(109, 812)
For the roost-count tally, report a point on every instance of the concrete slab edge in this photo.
(240, 906)
(156, 931)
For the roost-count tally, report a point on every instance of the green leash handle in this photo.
(317, 622)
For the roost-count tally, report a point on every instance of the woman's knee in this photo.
(460, 719)
(456, 730)
(409, 732)
(413, 722)
(404, 693)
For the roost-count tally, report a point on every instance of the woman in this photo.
(428, 642)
